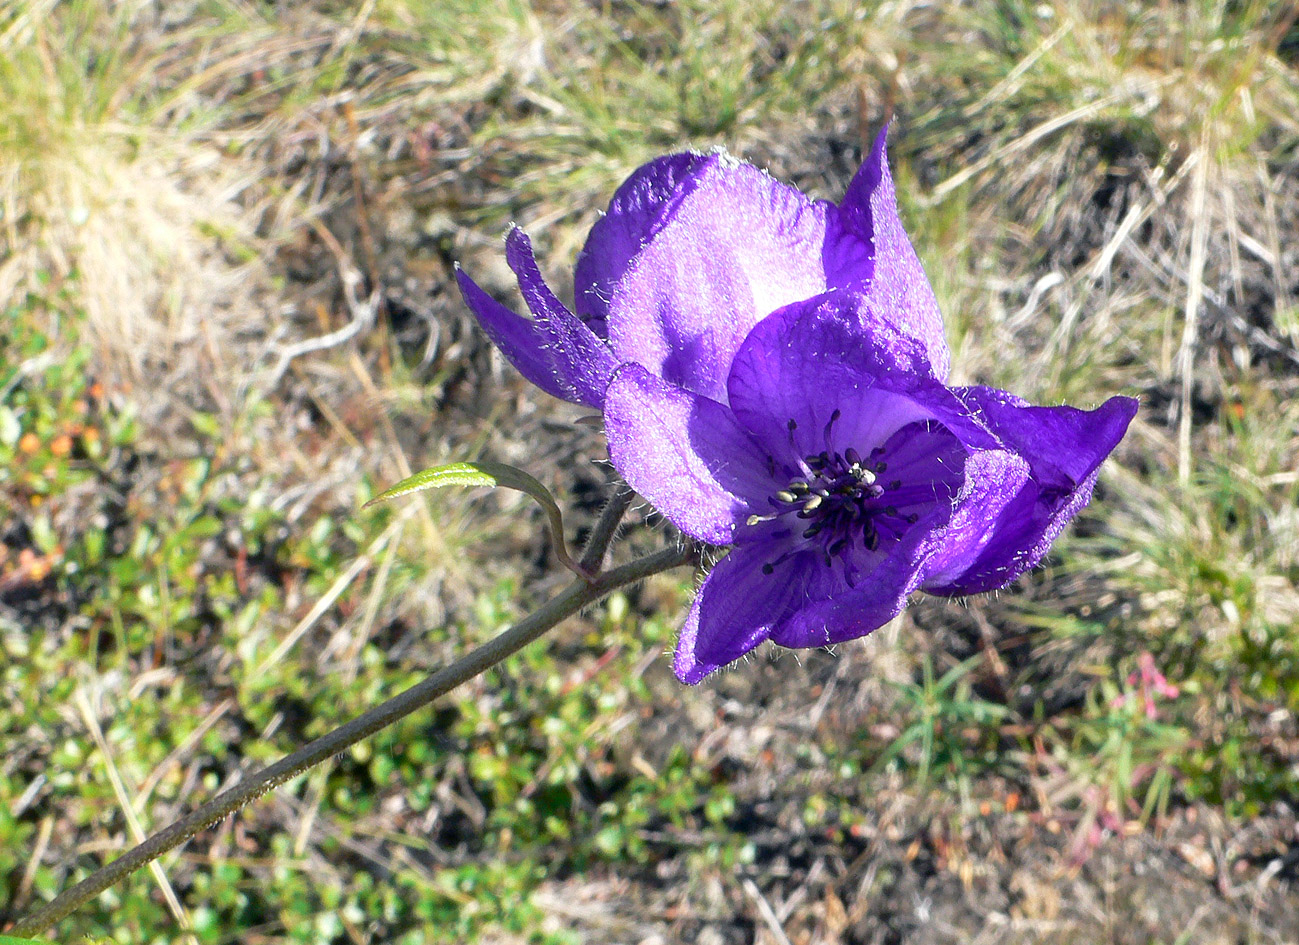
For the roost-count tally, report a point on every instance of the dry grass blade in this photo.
(1198, 214)
(336, 589)
(1041, 131)
(178, 911)
(34, 863)
(764, 909)
(1010, 83)
(146, 789)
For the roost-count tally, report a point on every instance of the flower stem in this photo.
(605, 528)
(572, 599)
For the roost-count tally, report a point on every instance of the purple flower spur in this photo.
(772, 375)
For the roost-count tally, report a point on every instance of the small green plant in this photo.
(949, 729)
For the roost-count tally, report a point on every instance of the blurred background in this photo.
(227, 232)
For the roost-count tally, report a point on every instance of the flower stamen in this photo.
(840, 496)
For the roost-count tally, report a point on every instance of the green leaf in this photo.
(487, 473)
(452, 474)
(10, 940)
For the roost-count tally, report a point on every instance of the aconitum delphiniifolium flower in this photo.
(772, 375)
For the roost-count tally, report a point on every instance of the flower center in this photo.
(840, 498)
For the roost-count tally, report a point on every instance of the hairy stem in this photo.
(572, 599)
(606, 528)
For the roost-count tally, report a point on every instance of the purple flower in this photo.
(847, 476)
(695, 250)
(771, 371)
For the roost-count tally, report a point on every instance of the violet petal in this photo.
(641, 207)
(994, 479)
(581, 360)
(842, 612)
(899, 286)
(737, 247)
(524, 342)
(1064, 448)
(830, 353)
(839, 613)
(734, 611)
(685, 454)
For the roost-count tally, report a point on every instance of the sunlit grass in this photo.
(99, 181)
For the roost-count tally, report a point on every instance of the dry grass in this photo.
(104, 180)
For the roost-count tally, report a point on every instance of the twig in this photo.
(765, 910)
(363, 312)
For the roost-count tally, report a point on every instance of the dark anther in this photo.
(829, 427)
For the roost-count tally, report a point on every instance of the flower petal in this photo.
(1064, 448)
(899, 286)
(581, 360)
(830, 353)
(930, 465)
(994, 479)
(1055, 440)
(734, 611)
(641, 207)
(736, 247)
(835, 611)
(524, 342)
(685, 454)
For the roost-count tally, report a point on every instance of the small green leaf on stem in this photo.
(487, 473)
